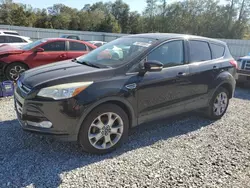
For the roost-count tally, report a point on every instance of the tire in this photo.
(14, 70)
(211, 111)
(94, 132)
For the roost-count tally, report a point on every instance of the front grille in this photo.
(1, 69)
(246, 65)
(19, 107)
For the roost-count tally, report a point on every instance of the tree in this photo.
(151, 14)
(120, 11)
(199, 17)
(135, 23)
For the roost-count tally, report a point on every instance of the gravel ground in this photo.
(182, 152)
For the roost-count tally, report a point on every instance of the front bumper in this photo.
(64, 116)
(2, 67)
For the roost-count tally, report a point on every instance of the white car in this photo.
(14, 40)
(97, 43)
(8, 32)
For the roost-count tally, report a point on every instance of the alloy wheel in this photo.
(106, 130)
(220, 104)
(15, 71)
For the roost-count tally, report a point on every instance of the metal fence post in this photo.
(104, 37)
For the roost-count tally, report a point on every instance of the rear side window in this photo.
(54, 46)
(10, 33)
(199, 51)
(14, 39)
(76, 46)
(217, 50)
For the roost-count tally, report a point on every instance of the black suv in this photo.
(95, 99)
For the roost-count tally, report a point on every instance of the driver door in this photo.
(53, 52)
(164, 93)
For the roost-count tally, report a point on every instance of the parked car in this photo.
(13, 40)
(75, 37)
(8, 32)
(97, 98)
(243, 72)
(98, 43)
(41, 52)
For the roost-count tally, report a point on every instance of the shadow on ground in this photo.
(242, 92)
(27, 159)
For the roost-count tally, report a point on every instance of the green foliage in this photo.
(200, 17)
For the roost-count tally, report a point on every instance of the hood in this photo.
(62, 72)
(8, 49)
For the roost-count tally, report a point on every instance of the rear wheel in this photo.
(219, 104)
(14, 70)
(104, 129)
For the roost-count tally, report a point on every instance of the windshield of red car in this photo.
(117, 52)
(32, 45)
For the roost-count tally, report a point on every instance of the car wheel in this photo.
(14, 70)
(219, 104)
(104, 129)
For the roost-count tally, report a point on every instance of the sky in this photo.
(135, 5)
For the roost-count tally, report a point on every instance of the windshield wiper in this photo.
(86, 63)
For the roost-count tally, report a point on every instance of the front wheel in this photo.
(219, 104)
(14, 70)
(104, 129)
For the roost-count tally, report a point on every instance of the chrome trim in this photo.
(35, 124)
(22, 87)
(156, 68)
(19, 98)
(19, 108)
(131, 86)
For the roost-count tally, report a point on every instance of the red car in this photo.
(14, 61)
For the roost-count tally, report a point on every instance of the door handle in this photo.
(215, 67)
(181, 74)
(62, 56)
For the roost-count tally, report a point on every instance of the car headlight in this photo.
(63, 91)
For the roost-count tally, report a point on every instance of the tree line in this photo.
(209, 18)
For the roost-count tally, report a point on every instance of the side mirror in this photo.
(39, 50)
(153, 66)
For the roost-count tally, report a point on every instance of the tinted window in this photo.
(73, 37)
(170, 54)
(14, 39)
(3, 39)
(199, 51)
(76, 46)
(217, 50)
(10, 33)
(98, 44)
(54, 46)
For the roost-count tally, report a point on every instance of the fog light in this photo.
(46, 124)
(43, 124)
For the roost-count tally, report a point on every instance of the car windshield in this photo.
(32, 45)
(117, 52)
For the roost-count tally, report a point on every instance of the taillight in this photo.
(234, 63)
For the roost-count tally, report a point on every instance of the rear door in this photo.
(76, 49)
(54, 51)
(205, 60)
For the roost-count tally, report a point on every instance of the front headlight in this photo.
(63, 91)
